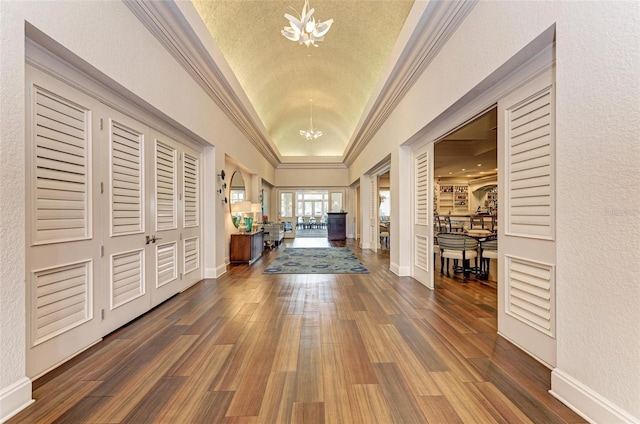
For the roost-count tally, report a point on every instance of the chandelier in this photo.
(311, 134)
(306, 30)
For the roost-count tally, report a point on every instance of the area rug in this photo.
(312, 260)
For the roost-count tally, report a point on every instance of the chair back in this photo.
(477, 222)
(449, 241)
(489, 244)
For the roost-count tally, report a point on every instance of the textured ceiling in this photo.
(470, 151)
(280, 76)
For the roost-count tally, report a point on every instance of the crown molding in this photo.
(312, 165)
(165, 22)
(438, 22)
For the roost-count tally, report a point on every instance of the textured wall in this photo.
(107, 36)
(598, 124)
(598, 203)
(311, 177)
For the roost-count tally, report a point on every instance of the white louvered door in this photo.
(125, 202)
(190, 238)
(113, 220)
(527, 250)
(423, 215)
(165, 255)
(63, 254)
(374, 230)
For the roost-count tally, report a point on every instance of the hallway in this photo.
(349, 348)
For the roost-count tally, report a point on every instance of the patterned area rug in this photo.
(325, 260)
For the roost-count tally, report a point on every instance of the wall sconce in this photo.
(223, 187)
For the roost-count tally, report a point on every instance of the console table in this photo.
(337, 225)
(246, 247)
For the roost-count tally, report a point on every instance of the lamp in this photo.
(306, 30)
(241, 208)
(311, 134)
(255, 208)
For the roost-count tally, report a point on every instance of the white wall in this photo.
(598, 204)
(310, 176)
(106, 36)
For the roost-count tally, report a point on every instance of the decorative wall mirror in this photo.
(237, 194)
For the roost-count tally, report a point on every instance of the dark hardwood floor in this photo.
(350, 348)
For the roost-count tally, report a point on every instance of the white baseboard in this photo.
(585, 402)
(215, 272)
(15, 398)
(221, 270)
(209, 273)
(400, 271)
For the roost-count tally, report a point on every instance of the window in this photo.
(312, 204)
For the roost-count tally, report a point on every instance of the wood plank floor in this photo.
(350, 348)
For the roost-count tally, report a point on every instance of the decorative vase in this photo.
(249, 223)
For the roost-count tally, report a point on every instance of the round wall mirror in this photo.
(237, 193)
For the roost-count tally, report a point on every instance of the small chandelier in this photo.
(311, 134)
(306, 30)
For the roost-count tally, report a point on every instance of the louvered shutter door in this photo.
(422, 209)
(527, 249)
(127, 270)
(62, 145)
(191, 254)
(62, 299)
(530, 194)
(191, 191)
(166, 263)
(373, 212)
(529, 293)
(127, 204)
(165, 186)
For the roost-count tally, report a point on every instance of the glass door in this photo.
(285, 213)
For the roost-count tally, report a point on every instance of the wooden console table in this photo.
(246, 247)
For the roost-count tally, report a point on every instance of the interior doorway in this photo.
(466, 193)
(384, 211)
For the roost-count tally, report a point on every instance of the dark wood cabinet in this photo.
(246, 247)
(337, 225)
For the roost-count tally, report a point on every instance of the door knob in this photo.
(154, 238)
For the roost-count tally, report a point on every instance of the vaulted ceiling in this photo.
(280, 77)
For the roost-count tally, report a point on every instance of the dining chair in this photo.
(441, 223)
(488, 251)
(477, 222)
(455, 226)
(458, 247)
(384, 234)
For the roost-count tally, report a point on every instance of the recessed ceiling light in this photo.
(450, 173)
(464, 169)
(479, 164)
(482, 172)
(468, 175)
